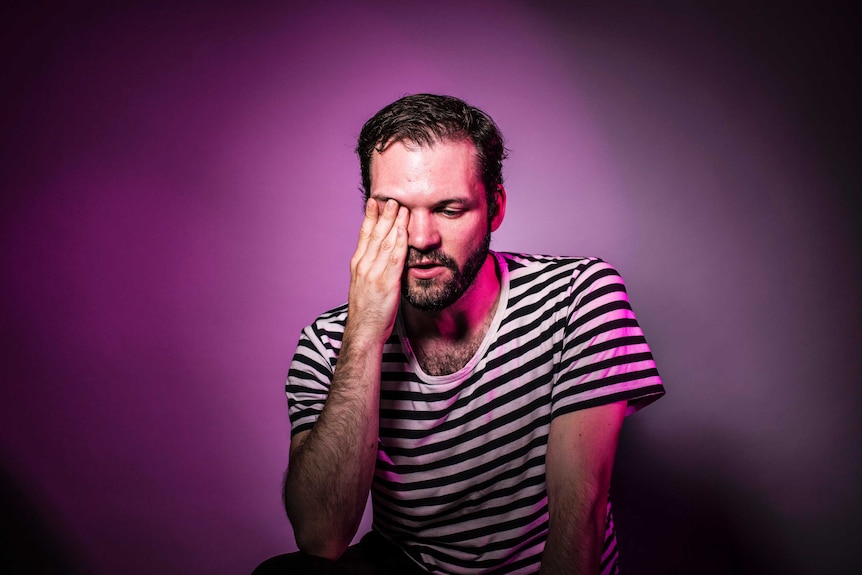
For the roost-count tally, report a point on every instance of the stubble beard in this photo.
(430, 296)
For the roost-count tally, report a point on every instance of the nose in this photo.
(422, 233)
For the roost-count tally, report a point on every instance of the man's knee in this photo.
(297, 563)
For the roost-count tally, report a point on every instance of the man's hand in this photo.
(375, 271)
(332, 465)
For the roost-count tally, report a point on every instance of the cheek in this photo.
(464, 235)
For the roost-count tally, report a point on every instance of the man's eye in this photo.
(450, 213)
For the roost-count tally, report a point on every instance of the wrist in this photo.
(366, 336)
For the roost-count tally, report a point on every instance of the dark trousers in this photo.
(373, 555)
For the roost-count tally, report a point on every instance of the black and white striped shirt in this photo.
(460, 476)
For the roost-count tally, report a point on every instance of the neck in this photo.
(464, 318)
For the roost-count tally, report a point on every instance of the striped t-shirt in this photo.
(460, 478)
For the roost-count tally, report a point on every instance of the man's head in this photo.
(427, 119)
(441, 159)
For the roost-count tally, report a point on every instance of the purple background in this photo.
(179, 197)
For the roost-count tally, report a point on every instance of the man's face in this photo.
(449, 231)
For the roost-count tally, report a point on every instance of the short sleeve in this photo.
(605, 356)
(308, 379)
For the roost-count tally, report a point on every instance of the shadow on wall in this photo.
(671, 520)
(27, 543)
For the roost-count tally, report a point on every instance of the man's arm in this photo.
(332, 465)
(580, 457)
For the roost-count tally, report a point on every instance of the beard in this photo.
(427, 294)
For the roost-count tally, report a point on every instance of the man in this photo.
(477, 396)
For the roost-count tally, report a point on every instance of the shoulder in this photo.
(528, 269)
(328, 327)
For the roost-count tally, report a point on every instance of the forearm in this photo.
(574, 544)
(579, 461)
(331, 466)
(330, 472)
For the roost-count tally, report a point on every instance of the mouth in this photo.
(424, 265)
(425, 270)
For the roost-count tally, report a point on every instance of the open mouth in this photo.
(426, 270)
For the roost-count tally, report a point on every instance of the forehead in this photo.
(407, 166)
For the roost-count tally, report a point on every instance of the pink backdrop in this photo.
(180, 196)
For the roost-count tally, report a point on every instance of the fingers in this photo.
(385, 222)
(395, 244)
(367, 227)
(375, 231)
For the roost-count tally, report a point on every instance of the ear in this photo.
(498, 210)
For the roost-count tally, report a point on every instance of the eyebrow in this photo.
(446, 202)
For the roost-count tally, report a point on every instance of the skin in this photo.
(331, 466)
(449, 214)
(578, 465)
(429, 200)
